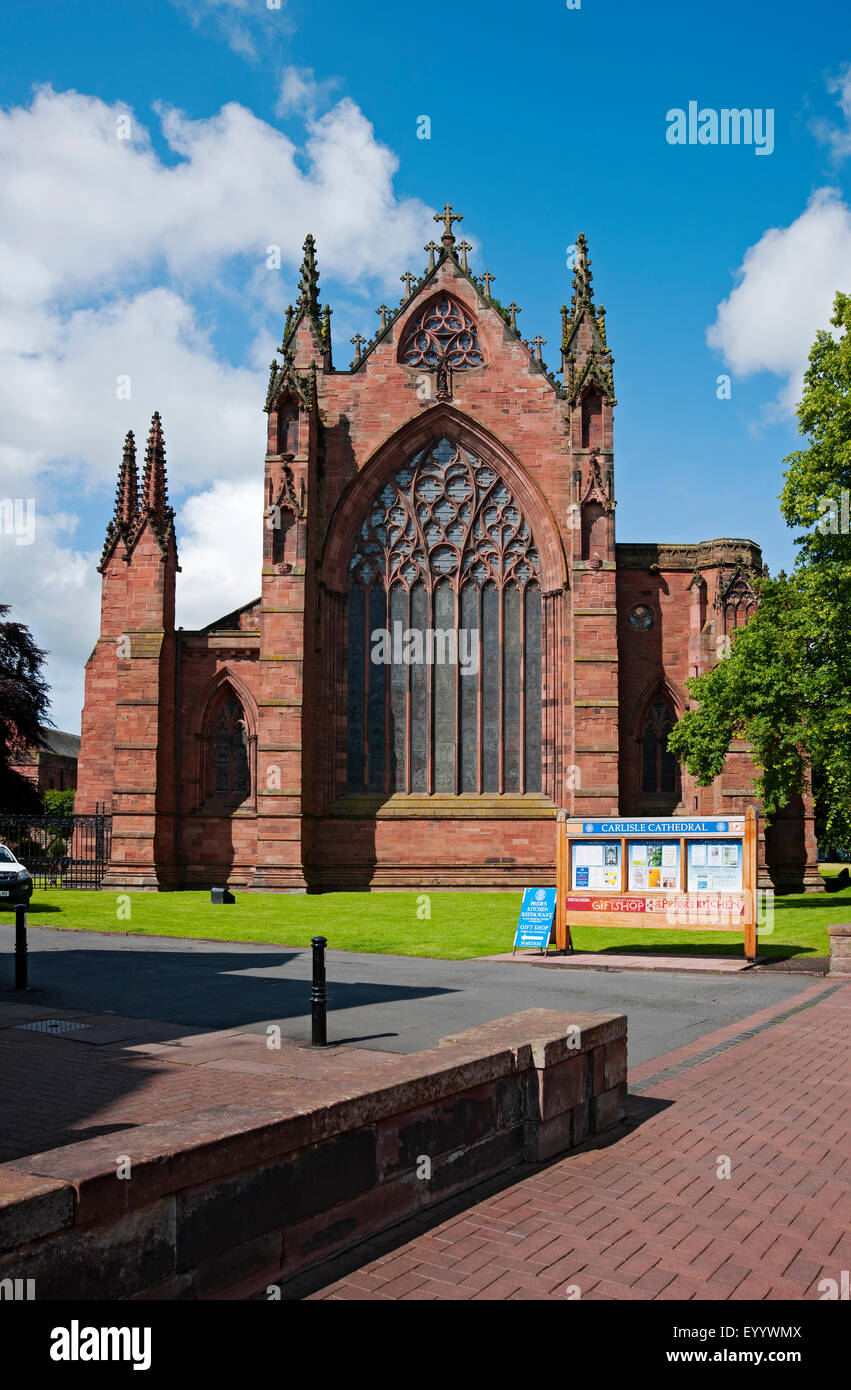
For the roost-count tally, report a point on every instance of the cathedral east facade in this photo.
(449, 643)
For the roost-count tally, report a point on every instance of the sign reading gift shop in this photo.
(684, 874)
(535, 923)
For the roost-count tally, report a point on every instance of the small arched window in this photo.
(592, 420)
(659, 768)
(228, 764)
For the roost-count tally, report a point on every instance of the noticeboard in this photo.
(672, 872)
(535, 924)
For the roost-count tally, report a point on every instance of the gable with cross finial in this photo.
(447, 217)
(440, 328)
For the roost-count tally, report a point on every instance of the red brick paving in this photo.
(641, 1214)
(119, 1073)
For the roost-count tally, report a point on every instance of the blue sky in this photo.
(252, 126)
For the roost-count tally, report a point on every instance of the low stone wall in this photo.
(228, 1201)
(840, 948)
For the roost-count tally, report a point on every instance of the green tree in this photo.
(24, 705)
(785, 685)
(60, 802)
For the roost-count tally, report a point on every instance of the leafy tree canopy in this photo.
(24, 705)
(61, 802)
(785, 685)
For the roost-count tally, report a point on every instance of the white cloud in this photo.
(301, 92)
(55, 590)
(243, 24)
(118, 211)
(220, 536)
(784, 294)
(116, 262)
(837, 138)
(61, 412)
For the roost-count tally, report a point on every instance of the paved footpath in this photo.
(641, 1213)
(388, 1003)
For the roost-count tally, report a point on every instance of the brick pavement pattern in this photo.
(642, 1213)
(118, 1073)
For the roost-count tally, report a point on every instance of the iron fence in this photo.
(60, 851)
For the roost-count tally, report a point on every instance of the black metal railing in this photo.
(60, 851)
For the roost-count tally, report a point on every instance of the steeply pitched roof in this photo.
(64, 745)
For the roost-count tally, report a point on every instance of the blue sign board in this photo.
(536, 918)
(678, 826)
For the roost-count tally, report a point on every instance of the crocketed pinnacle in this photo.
(127, 493)
(583, 295)
(154, 486)
(585, 354)
(308, 285)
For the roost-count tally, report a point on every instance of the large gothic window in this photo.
(228, 775)
(442, 334)
(444, 634)
(659, 768)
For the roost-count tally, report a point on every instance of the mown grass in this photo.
(459, 925)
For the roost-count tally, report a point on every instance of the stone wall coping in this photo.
(31, 1206)
(840, 929)
(170, 1155)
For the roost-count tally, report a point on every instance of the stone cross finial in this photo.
(464, 247)
(538, 341)
(382, 312)
(408, 280)
(488, 278)
(431, 247)
(357, 340)
(514, 310)
(447, 217)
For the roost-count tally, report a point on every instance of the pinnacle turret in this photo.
(583, 295)
(131, 509)
(154, 485)
(308, 285)
(585, 352)
(125, 518)
(127, 492)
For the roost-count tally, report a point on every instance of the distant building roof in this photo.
(55, 742)
(64, 745)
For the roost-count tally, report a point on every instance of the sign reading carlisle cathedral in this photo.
(441, 482)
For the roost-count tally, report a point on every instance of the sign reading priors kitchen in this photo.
(684, 874)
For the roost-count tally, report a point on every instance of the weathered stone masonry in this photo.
(444, 482)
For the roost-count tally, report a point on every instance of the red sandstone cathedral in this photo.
(448, 645)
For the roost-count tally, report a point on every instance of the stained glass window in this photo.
(444, 634)
(443, 333)
(229, 776)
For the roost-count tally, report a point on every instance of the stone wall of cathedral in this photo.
(269, 752)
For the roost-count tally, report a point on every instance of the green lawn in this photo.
(461, 925)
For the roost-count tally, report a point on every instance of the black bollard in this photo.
(319, 994)
(20, 946)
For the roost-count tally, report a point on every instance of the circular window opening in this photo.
(641, 617)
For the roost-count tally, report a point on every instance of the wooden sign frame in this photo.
(677, 909)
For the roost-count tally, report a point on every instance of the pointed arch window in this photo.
(442, 334)
(659, 768)
(228, 760)
(444, 634)
(740, 604)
